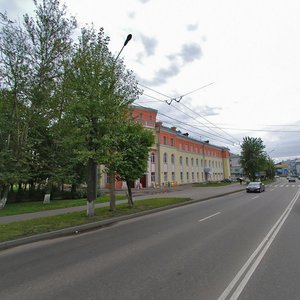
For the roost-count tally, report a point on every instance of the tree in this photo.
(31, 66)
(14, 70)
(133, 146)
(50, 44)
(253, 156)
(100, 91)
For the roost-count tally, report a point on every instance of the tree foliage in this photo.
(253, 156)
(99, 93)
(133, 145)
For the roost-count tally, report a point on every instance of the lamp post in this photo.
(129, 37)
(112, 204)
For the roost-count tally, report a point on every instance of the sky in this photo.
(219, 70)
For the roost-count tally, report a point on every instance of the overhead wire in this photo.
(179, 98)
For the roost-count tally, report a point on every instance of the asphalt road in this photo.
(243, 246)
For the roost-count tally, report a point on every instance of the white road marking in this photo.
(255, 197)
(209, 217)
(245, 273)
(272, 189)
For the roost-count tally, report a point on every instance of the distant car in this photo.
(292, 179)
(276, 176)
(255, 186)
(226, 180)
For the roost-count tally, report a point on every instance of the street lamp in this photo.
(129, 37)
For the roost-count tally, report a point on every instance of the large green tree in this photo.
(14, 76)
(50, 44)
(253, 156)
(133, 146)
(100, 90)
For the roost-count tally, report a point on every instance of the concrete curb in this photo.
(95, 225)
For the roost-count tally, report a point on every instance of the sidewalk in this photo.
(184, 191)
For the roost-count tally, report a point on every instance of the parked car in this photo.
(255, 186)
(292, 179)
(226, 180)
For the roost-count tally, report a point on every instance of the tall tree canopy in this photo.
(253, 156)
(99, 92)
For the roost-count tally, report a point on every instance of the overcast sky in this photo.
(236, 63)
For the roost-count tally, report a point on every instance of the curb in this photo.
(96, 225)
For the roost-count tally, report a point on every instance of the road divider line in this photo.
(209, 216)
(255, 197)
(245, 273)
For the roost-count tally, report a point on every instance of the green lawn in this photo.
(210, 184)
(16, 230)
(28, 207)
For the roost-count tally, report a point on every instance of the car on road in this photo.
(292, 179)
(255, 186)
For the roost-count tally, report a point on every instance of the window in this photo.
(187, 161)
(192, 161)
(107, 178)
(165, 140)
(172, 142)
(173, 176)
(192, 148)
(187, 175)
(165, 176)
(152, 157)
(186, 147)
(181, 176)
(180, 160)
(141, 116)
(165, 158)
(153, 176)
(172, 159)
(193, 176)
(197, 162)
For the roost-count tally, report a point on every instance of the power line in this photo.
(179, 98)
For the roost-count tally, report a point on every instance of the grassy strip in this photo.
(210, 184)
(16, 230)
(18, 208)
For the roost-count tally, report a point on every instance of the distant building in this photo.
(176, 158)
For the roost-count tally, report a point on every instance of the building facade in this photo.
(176, 158)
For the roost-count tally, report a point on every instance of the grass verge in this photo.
(21, 229)
(210, 184)
(18, 208)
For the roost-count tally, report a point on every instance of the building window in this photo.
(141, 116)
(173, 176)
(181, 176)
(187, 175)
(165, 158)
(192, 149)
(172, 142)
(107, 178)
(193, 176)
(180, 160)
(197, 162)
(186, 147)
(165, 176)
(187, 161)
(192, 161)
(152, 157)
(153, 176)
(172, 159)
(198, 176)
(165, 140)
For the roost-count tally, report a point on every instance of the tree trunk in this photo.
(112, 204)
(3, 196)
(91, 187)
(130, 201)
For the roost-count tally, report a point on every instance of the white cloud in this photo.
(249, 49)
